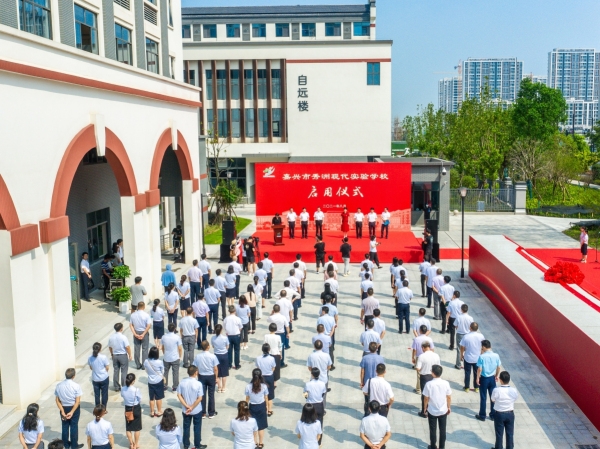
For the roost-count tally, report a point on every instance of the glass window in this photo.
(98, 229)
(235, 84)
(372, 74)
(152, 56)
(192, 77)
(263, 125)
(309, 30)
(333, 29)
(248, 84)
(259, 30)
(249, 125)
(276, 121)
(233, 29)
(210, 121)
(209, 85)
(123, 39)
(209, 31)
(362, 28)
(170, 7)
(235, 123)
(424, 193)
(86, 30)
(282, 30)
(276, 83)
(223, 123)
(186, 31)
(262, 84)
(221, 85)
(35, 17)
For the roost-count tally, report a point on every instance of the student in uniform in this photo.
(99, 431)
(275, 345)
(220, 285)
(308, 429)
(269, 267)
(233, 327)
(168, 433)
(189, 335)
(158, 321)
(244, 428)
(171, 345)
(132, 398)
(140, 323)
(243, 312)
(220, 344)
(118, 345)
(190, 394)
(201, 312)
(257, 395)
(266, 363)
(213, 297)
(184, 292)
(156, 381)
(258, 291)
(251, 297)
(207, 364)
(206, 271)
(172, 303)
(314, 392)
(68, 397)
(99, 365)
(230, 285)
(31, 429)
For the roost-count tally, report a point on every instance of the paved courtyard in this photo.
(545, 416)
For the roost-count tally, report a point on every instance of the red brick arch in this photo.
(183, 158)
(22, 238)
(8, 213)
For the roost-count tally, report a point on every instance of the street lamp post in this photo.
(463, 194)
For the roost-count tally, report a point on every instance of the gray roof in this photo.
(273, 12)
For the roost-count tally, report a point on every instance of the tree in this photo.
(529, 160)
(226, 195)
(564, 163)
(594, 137)
(428, 131)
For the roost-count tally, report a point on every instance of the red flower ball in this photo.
(565, 272)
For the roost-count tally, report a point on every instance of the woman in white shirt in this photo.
(156, 381)
(220, 344)
(257, 395)
(158, 322)
(243, 312)
(99, 431)
(168, 433)
(251, 297)
(183, 289)
(230, 285)
(244, 428)
(31, 429)
(132, 397)
(99, 365)
(258, 289)
(308, 428)
(171, 303)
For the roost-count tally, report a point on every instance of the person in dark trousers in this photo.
(68, 396)
(106, 272)
(304, 217)
(504, 398)
(291, 219)
(488, 369)
(438, 399)
(190, 394)
(320, 252)
(207, 364)
(85, 276)
(358, 223)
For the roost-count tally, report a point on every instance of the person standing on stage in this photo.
(304, 217)
(358, 222)
(320, 252)
(583, 243)
(373, 244)
(346, 249)
(385, 222)
(372, 216)
(318, 217)
(345, 225)
(276, 219)
(291, 219)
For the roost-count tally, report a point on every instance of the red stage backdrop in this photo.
(331, 186)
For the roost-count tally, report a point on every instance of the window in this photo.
(210, 121)
(235, 167)
(276, 121)
(222, 123)
(221, 86)
(333, 29)
(235, 123)
(233, 29)
(86, 30)
(249, 125)
(152, 56)
(170, 7)
(192, 77)
(98, 234)
(209, 85)
(248, 84)
(424, 193)
(309, 30)
(172, 65)
(372, 74)
(123, 37)
(150, 14)
(262, 84)
(282, 30)
(235, 84)
(276, 84)
(263, 125)
(186, 31)
(259, 30)
(362, 28)
(35, 17)
(209, 31)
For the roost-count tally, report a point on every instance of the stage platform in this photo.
(403, 245)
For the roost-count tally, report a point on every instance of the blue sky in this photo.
(430, 36)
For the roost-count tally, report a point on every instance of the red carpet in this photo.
(591, 270)
(403, 245)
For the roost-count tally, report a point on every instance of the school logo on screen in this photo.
(269, 172)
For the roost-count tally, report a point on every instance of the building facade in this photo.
(576, 73)
(289, 83)
(97, 137)
(448, 94)
(542, 79)
(501, 75)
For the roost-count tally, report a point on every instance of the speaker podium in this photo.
(278, 235)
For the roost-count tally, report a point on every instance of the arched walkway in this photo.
(183, 158)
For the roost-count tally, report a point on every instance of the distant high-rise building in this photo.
(542, 79)
(502, 76)
(448, 94)
(576, 73)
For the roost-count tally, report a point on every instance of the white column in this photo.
(136, 241)
(191, 226)
(154, 287)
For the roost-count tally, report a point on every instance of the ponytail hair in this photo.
(218, 329)
(129, 379)
(96, 348)
(30, 420)
(257, 380)
(243, 411)
(99, 411)
(156, 303)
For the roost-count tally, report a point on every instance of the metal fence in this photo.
(484, 200)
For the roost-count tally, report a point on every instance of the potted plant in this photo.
(122, 296)
(121, 272)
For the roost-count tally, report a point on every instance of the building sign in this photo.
(302, 93)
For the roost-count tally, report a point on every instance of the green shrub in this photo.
(121, 272)
(121, 294)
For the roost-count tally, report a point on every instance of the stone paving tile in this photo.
(545, 416)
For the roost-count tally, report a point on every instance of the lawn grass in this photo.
(214, 234)
(584, 196)
(574, 232)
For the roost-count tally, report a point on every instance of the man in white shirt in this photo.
(301, 276)
(283, 330)
(420, 322)
(365, 285)
(212, 297)
(470, 350)
(118, 345)
(140, 324)
(463, 327)
(304, 216)
(425, 362)
(319, 216)
(358, 223)
(190, 393)
(220, 284)
(321, 360)
(369, 304)
(378, 389)
(385, 222)
(404, 296)
(285, 305)
(446, 292)
(172, 351)
(431, 273)
(68, 396)
(423, 270)
(291, 219)
(329, 323)
(452, 313)
(262, 276)
(84, 276)
(436, 286)
(379, 326)
(375, 430)
(372, 217)
(438, 399)
(370, 265)
(194, 275)
(189, 334)
(237, 269)
(269, 267)
(207, 364)
(233, 326)
(504, 398)
(206, 271)
(368, 336)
